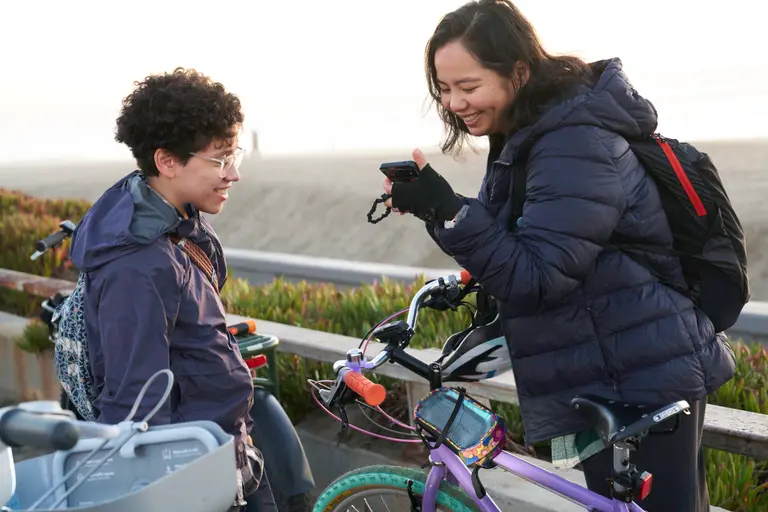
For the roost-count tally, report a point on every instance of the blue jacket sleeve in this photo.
(574, 200)
(134, 327)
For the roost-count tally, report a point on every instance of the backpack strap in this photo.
(518, 183)
(517, 194)
(198, 256)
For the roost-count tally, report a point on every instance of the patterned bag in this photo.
(466, 426)
(71, 351)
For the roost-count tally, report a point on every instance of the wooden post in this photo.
(20, 368)
(49, 383)
(416, 391)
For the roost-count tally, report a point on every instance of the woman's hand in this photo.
(428, 196)
(388, 190)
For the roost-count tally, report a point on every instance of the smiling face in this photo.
(477, 95)
(201, 181)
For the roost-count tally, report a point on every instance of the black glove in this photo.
(428, 196)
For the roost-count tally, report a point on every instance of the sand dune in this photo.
(317, 204)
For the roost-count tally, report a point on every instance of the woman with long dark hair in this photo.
(580, 316)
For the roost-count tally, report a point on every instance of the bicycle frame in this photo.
(446, 465)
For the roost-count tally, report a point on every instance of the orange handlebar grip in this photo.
(246, 327)
(373, 394)
(465, 277)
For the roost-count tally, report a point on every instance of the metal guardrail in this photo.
(260, 267)
(752, 324)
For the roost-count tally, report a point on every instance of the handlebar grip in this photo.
(43, 431)
(465, 277)
(373, 394)
(51, 241)
(246, 327)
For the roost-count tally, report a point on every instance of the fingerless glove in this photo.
(429, 195)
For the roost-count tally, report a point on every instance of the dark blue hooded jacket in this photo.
(581, 317)
(149, 307)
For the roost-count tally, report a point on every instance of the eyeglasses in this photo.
(233, 160)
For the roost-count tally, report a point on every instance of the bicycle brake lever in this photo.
(343, 433)
(344, 418)
(439, 303)
(446, 299)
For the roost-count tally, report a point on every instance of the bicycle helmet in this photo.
(476, 353)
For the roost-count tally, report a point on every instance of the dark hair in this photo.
(497, 34)
(181, 112)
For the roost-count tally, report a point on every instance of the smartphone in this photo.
(400, 171)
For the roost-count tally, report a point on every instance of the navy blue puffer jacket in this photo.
(580, 316)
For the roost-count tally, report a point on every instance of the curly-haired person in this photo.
(153, 268)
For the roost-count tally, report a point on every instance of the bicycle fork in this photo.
(446, 466)
(437, 474)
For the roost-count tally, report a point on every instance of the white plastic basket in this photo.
(189, 467)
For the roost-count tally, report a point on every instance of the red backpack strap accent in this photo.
(693, 196)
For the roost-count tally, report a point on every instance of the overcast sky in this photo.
(348, 74)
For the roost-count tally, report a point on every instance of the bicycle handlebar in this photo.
(38, 430)
(52, 240)
(45, 426)
(416, 303)
(348, 374)
(373, 394)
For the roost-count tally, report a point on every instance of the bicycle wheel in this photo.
(385, 488)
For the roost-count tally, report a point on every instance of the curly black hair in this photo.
(181, 112)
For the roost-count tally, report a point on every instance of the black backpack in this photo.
(708, 237)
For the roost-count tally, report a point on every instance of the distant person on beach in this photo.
(254, 142)
(580, 316)
(153, 268)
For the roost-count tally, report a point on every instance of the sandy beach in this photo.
(317, 204)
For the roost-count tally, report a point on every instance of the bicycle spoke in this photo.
(365, 502)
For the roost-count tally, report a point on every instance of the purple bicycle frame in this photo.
(449, 466)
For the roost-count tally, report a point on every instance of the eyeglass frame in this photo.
(239, 153)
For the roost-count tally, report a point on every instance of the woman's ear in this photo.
(522, 74)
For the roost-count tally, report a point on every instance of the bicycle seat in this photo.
(616, 422)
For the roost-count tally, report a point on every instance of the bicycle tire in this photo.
(390, 477)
